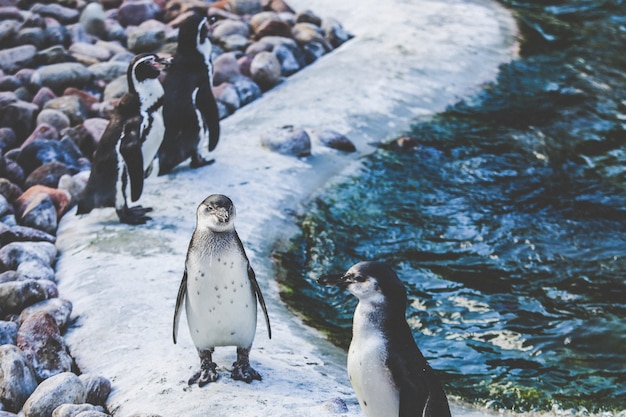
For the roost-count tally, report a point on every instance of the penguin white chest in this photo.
(220, 303)
(154, 128)
(369, 375)
(203, 130)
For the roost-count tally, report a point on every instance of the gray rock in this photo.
(17, 379)
(97, 388)
(40, 339)
(16, 233)
(242, 7)
(40, 214)
(72, 106)
(9, 190)
(116, 88)
(74, 185)
(227, 94)
(146, 39)
(51, 289)
(115, 31)
(133, 13)
(92, 413)
(8, 335)
(92, 18)
(57, 35)
(227, 27)
(8, 28)
(5, 208)
(309, 17)
(58, 308)
(30, 36)
(12, 59)
(108, 71)
(313, 51)
(334, 32)
(36, 270)
(64, 15)
(15, 253)
(64, 388)
(225, 68)
(60, 76)
(19, 116)
(54, 118)
(247, 89)
(17, 295)
(90, 50)
(288, 140)
(235, 42)
(56, 54)
(10, 83)
(265, 70)
(73, 410)
(47, 174)
(336, 406)
(39, 152)
(43, 95)
(333, 139)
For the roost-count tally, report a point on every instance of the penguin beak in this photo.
(221, 214)
(165, 63)
(339, 280)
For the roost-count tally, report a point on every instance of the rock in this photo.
(12, 59)
(274, 27)
(227, 94)
(57, 35)
(265, 70)
(51, 289)
(64, 388)
(288, 140)
(10, 83)
(278, 6)
(289, 64)
(305, 33)
(92, 18)
(108, 71)
(90, 50)
(15, 253)
(313, 51)
(38, 271)
(43, 131)
(247, 89)
(5, 206)
(333, 139)
(309, 17)
(245, 7)
(9, 190)
(8, 28)
(18, 233)
(54, 118)
(97, 388)
(9, 276)
(8, 140)
(56, 54)
(95, 128)
(17, 379)
(58, 308)
(74, 410)
(20, 117)
(72, 106)
(115, 89)
(134, 12)
(43, 95)
(30, 36)
(225, 68)
(336, 406)
(10, 170)
(60, 76)
(39, 152)
(74, 185)
(64, 15)
(40, 339)
(8, 335)
(145, 39)
(17, 295)
(224, 28)
(92, 414)
(48, 174)
(235, 42)
(334, 32)
(41, 207)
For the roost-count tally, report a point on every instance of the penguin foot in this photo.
(207, 373)
(133, 215)
(198, 161)
(242, 371)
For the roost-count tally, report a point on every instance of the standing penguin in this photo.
(220, 292)
(388, 372)
(189, 109)
(128, 145)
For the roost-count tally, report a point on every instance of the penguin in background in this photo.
(189, 109)
(388, 372)
(219, 291)
(124, 155)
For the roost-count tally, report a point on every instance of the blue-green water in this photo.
(505, 218)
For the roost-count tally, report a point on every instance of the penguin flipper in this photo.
(211, 114)
(257, 291)
(182, 293)
(130, 148)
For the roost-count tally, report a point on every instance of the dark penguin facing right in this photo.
(189, 110)
(388, 372)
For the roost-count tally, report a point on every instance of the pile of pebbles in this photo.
(62, 70)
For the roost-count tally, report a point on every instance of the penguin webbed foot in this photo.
(198, 161)
(242, 371)
(206, 374)
(134, 215)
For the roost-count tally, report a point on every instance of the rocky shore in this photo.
(62, 70)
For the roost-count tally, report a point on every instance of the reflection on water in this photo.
(506, 219)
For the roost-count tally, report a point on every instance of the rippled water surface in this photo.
(506, 219)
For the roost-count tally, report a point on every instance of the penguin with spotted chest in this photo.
(220, 291)
(190, 111)
(389, 374)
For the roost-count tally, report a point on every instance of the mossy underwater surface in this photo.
(506, 221)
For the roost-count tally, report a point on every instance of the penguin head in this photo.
(216, 213)
(143, 68)
(371, 282)
(193, 37)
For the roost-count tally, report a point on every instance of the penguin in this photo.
(388, 372)
(220, 292)
(189, 108)
(124, 155)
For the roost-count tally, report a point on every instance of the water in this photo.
(505, 217)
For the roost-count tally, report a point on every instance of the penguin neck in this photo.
(151, 96)
(372, 316)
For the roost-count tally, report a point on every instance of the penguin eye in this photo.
(359, 278)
